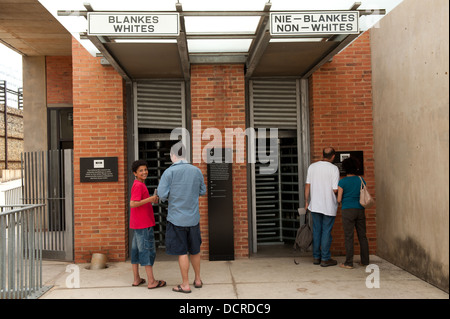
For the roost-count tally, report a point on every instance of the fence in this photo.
(48, 179)
(11, 192)
(21, 240)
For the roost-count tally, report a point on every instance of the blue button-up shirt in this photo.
(181, 184)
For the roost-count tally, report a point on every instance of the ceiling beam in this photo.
(99, 45)
(182, 46)
(260, 43)
(184, 55)
(83, 13)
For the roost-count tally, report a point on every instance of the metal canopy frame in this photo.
(260, 42)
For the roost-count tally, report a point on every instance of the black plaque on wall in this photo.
(99, 169)
(341, 156)
(220, 205)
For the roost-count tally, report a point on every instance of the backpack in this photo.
(304, 236)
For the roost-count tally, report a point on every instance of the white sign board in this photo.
(136, 24)
(309, 23)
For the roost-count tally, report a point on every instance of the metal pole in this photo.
(280, 200)
(2, 256)
(5, 119)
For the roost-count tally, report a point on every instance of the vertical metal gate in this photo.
(282, 104)
(160, 104)
(159, 107)
(47, 178)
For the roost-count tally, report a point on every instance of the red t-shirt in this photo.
(142, 216)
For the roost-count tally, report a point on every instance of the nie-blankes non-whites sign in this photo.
(309, 23)
(136, 24)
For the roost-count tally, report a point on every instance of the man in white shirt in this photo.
(320, 199)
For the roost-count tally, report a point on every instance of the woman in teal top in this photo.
(353, 214)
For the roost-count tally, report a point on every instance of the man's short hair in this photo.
(328, 152)
(179, 150)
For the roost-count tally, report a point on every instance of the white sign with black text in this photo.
(304, 23)
(135, 24)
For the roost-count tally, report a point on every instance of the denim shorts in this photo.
(183, 240)
(143, 250)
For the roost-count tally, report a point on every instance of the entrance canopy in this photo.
(161, 39)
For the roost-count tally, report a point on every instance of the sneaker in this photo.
(329, 262)
(316, 261)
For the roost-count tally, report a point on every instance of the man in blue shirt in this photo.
(182, 184)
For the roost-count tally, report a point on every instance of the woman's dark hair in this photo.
(350, 165)
(136, 164)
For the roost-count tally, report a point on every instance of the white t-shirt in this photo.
(323, 178)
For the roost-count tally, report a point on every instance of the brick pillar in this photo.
(341, 117)
(59, 80)
(218, 100)
(99, 117)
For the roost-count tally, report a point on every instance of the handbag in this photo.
(365, 199)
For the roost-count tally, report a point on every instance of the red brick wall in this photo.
(218, 100)
(99, 116)
(59, 79)
(341, 117)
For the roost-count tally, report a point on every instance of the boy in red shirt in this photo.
(142, 220)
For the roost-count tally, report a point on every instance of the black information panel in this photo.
(99, 169)
(341, 156)
(220, 205)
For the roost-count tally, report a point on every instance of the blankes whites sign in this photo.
(136, 24)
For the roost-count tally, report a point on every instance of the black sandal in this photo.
(181, 290)
(161, 283)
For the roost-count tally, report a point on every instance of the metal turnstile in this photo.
(277, 195)
(156, 152)
(280, 103)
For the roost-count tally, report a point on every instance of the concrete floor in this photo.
(252, 278)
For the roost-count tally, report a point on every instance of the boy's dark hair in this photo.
(136, 165)
(350, 165)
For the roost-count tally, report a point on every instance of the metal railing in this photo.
(21, 238)
(3, 95)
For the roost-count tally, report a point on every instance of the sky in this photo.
(11, 71)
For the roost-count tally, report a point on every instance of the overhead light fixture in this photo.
(296, 40)
(215, 45)
(145, 40)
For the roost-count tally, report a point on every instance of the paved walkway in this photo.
(253, 278)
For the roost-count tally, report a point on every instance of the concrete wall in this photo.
(410, 59)
(34, 104)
